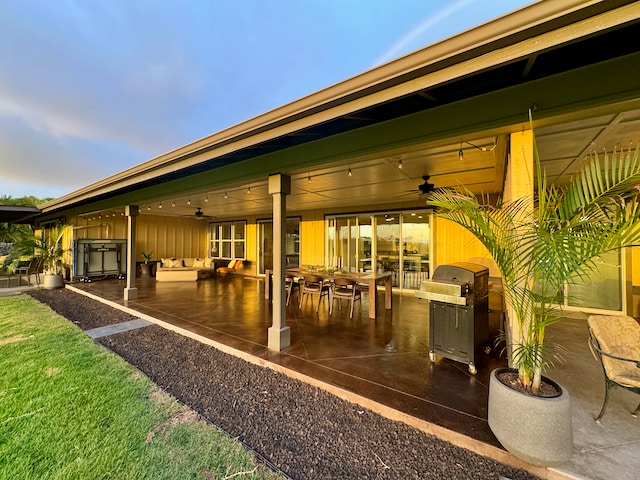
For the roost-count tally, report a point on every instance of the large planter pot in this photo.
(53, 281)
(146, 269)
(536, 429)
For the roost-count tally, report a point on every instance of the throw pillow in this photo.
(197, 263)
(176, 263)
(208, 262)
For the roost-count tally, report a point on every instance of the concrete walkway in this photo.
(16, 290)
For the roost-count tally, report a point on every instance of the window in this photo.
(291, 246)
(228, 240)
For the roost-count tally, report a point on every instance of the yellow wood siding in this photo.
(171, 237)
(312, 238)
(162, 235)
(455, 244)
(635, 265)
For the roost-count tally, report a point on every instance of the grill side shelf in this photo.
(441, 297)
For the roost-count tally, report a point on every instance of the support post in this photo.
(518, 184)
(279, 334)
(130, 291)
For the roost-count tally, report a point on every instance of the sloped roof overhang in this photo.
(541, 41)
(18, 214)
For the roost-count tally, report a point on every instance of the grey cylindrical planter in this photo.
(52, 281)
(536, 429)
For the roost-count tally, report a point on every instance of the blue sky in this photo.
(89, 88)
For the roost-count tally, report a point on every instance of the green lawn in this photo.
(69, 409)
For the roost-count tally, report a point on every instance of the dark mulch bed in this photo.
(81, 310)
(302, 430)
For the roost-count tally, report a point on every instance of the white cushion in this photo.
(197, 263)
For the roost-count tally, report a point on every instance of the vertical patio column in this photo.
(130, 291)
(279, 336)
(518, 184)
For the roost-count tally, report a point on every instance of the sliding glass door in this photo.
(393, 242)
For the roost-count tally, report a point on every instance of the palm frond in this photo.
(598, 182)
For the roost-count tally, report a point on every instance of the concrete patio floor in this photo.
(385, 364)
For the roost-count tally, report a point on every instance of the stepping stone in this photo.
(117, 328)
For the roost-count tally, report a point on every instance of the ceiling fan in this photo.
(198, 214)
(423, 189)
(426, 187)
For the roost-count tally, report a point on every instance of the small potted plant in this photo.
(145, 268)
(540, 244)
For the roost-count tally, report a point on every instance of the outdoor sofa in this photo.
(185, 269)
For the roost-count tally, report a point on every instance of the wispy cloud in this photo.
(433, 19)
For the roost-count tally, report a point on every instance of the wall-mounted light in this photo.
(350, 173)
(399, 164)
(206, 197)
(249, 190)
(189, 201)
(460, 153)
(160, 205)
(225, 193)
(173, 204)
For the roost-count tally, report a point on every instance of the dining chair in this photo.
(314, 285)
(291, 283)
(345, 288)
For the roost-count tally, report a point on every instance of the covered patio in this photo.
(384, 365)
(454, 113)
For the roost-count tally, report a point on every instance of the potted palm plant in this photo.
(47, 249)
(539, 245)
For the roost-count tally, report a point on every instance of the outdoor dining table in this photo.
(372, 279)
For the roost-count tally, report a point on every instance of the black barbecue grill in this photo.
(458, 297)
